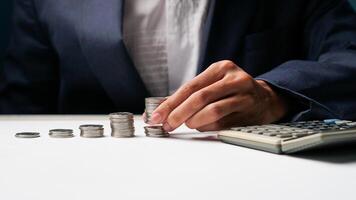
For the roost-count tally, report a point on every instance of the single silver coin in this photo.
(122, 135)
(91, 127)
(59, 131)
(116, 120)
(61, 135)
(155, 100)
(122, 126)
(27, 135)
(156, 135)
(121, 115)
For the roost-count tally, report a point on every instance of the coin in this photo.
(90, 126)
(27, 135)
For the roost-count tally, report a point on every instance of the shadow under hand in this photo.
(205, 137)
(341, 153)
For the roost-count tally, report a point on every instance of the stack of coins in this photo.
(122, 124)
(153, 130)
(151, 104)
(27, 135)
(91, 131)
(61, 133)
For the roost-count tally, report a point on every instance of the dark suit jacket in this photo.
(68, 56)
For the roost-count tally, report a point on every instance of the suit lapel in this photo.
(227, 23)
(100, 36)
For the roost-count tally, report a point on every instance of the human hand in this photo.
(220, 97)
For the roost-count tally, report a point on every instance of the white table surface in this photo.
(188, 165)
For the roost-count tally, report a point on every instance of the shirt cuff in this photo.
(302, 108)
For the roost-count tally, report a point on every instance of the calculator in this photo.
(291, 137)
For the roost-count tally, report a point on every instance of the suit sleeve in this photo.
(29, 77)
(324, 84)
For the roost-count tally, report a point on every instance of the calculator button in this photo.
(330, 121)
(299, 134)
(340, 122)
(312, 132)
(246, 130)
(257, 132)
(268, 133)
(284, 135)
(351, 125)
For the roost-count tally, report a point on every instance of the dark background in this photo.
(5, 21)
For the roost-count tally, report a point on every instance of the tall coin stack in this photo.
(151, 104)
(122, 124)
(91, 130)
(155, 130)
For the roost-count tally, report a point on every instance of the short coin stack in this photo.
(122, 124)
(91, 131)
(61, 133)
(154, 130)
(27, 135)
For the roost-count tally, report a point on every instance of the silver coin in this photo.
(27, 135)
(91, 131)
(122, 134)
(91, 127)
(157, 135)
(118, 120)
(122, 126)
(155, 131)
(125, 132)
(121, 115)
(91, 135)
(151, 104)
(99, 131)
(155, 99)
(154, 128)
(56, 135)
(61, 131)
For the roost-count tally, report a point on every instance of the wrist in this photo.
(277, 105)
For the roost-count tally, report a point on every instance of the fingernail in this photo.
(156, 118)
(167, 127)
(144, 117)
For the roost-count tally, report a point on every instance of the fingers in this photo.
(217, 110)
(196, 102)
(220, 124)
(231, 120)
(144, 118)
(212, 74)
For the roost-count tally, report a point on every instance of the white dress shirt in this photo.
(163, 39)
